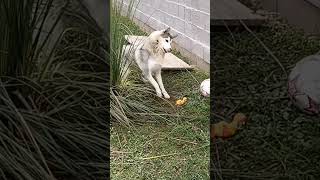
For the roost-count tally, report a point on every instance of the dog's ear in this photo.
(174, 36)
(166, 31)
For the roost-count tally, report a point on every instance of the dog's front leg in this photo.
(154, 84)
(159, 80)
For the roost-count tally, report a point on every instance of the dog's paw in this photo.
(145, 80)
(159, 94)
(166, 95)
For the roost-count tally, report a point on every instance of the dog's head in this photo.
(163, 39)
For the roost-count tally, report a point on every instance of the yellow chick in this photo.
(226, 130)
(181, 102)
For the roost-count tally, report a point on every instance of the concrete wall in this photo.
(190, 19)
(304, 14)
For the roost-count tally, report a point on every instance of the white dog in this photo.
(149, 56)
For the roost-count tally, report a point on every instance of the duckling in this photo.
(181, 102)
(225, 130)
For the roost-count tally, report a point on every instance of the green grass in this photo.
(279, 142)
(176, 148)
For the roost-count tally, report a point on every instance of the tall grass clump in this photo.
(120, 61)
(22, 28)
(53, 108)
(130, 100)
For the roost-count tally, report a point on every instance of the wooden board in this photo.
(171, 62)
(230, 12)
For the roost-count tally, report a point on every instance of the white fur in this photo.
(150, 56)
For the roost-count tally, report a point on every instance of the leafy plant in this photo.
(22, 27)
(53, 110)
(120, 60)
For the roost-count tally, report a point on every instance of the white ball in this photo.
(205, 88)
(304, 84)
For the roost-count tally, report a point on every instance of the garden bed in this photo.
(175, 146)
(251, 76)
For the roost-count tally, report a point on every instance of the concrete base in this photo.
(231, 12)
(304, 14)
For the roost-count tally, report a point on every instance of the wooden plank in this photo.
(171, 62)
(230, 12)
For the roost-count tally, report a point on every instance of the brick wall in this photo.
(190, 19)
